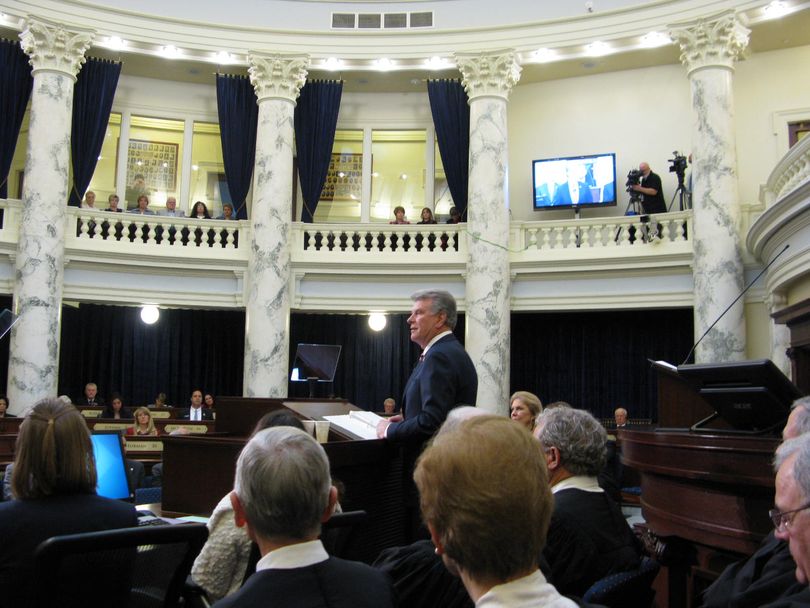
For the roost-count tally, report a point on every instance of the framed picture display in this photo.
(151, 167)
(344, 180)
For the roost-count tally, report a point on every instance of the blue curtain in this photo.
(315, 120)
(92, 101)
(451, 117)
(238, 117)
(15, 90)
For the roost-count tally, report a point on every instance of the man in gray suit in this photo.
(171, 208)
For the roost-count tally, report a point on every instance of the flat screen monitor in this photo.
(749, 395)
(111, 468)
(315, 361)
(574, 181)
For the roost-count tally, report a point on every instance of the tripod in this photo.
(683, 195)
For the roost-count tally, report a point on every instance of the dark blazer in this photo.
(24, 524)
(109, 412)
(334, 583)
(98, 402)
(562, 195)
(588, 538)
(207, 414)
(445, 379)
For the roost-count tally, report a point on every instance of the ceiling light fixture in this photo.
(223, 57)
(544, 55)
(170, 52)
(332, 64)
(115, 43)
(377, 321)
(597, 49)
(655, 39)
(776, 9)
(383, 64)
(437, 63)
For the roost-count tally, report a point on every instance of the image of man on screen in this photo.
(575, 191)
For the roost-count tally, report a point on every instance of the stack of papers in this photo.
(360, 423)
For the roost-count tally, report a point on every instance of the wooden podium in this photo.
(199, 470)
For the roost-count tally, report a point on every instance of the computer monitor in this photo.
(111, 468)
(315, 362)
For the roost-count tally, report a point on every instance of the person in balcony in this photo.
(171, 208)
(399, 216)
(227, 212)
(143, 206)
(427, 217)
(89, 201)
(200, 211)
(112, 203)
(455, 216)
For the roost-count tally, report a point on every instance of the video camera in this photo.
(633, 179)
(677, 164)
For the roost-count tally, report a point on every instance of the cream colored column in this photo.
(488, 79)
(709, 49)
(780, 334)
(278, 80)
(56, 55)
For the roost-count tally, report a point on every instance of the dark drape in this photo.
(451, 117)
(183, 351)
(15, 90)
(598, 360)
(316, 117)
(92, 102)
(5, 302)
(238, 117)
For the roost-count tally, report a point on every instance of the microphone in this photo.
(742, 293)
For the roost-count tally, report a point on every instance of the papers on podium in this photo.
(360, 423)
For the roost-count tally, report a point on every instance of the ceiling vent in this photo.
(382, 21)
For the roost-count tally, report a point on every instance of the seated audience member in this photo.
(89, 201)
(399, 216)
(54, 486)
(768, 577)
(160, 401)
(197, 411)
(91, 396)
(200, 211)
(220, 567)
(524, 408)
(620, 416)
(112, 203)
(790, 516)
(115, 409)
(282, 493)
(390, 406)
(171, 209)
(470, 490)
(4, 408)
(144, 425)
(588, 537)
(143, 206)
(227, 212)
(208, 400)
(455, 216)
(426, 217)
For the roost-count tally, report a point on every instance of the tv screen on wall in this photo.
(574, 181)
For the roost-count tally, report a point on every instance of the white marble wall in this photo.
(488, 79)
(56, 55)
(709, 49)
(267, 299)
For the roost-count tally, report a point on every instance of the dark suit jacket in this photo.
(588, 538)
(334, 583)
(207, 414)
(445, 379)
(562, 195)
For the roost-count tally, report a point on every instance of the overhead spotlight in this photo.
(776, 9)
(332, 64)
(150, 314)
(383, 64)
(170, 52)
(437, 63)
(377, 321)
(597, 49)
(403, 176)
(223, 57)
(655, 39)
(115, 43)
(544, 55)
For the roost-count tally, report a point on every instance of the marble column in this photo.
(708, 50)
(488, 79)
(278, 80)
(56, 55)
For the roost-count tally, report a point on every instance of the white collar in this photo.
(586, 483)
(435, 339)
(298, 555)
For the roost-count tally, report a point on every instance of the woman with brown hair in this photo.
(54, 487)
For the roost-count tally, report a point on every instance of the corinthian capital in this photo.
(714, 42)
(491, 73)
(52, 47)
(277, 76)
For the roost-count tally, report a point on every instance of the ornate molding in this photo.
(277, 76)
(51, 47)
(492, 73)
(716, 41)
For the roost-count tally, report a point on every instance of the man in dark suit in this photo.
(197, 411)
(91, 396)
(282, 493)
(572, 193)
(443, 378)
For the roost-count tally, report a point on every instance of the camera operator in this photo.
(650, 187)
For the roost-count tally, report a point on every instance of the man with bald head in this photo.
(650, 186)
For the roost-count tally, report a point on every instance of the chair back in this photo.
(631, 589)
(143, 567)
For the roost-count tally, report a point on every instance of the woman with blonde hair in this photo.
(54, 487)
(144, 425)
(525, 407)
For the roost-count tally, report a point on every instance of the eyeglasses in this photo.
(782, 519)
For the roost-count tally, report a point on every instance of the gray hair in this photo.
(443, 301)
(460, 414)
(581, 439)
(801, 466)
(803, 417)
(283, 483)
